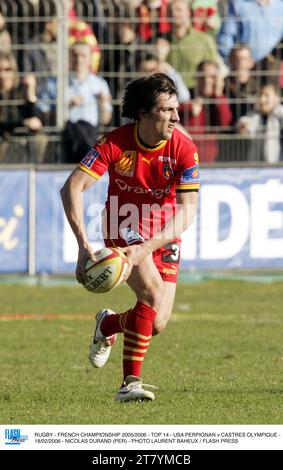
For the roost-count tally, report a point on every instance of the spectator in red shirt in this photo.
(208, 111)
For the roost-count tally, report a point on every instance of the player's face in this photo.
(163, 117)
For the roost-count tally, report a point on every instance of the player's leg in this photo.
(166, 260)
(148, 286)
(100, 348)
(141, 283)
(164, 311)
(147, 283)
(163, 265)
(137, 325)
(108, 324)
(154, 283)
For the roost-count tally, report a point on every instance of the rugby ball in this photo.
(107, 271)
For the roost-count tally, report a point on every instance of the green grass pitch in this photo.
(218, 362)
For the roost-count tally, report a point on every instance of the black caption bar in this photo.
(129, 459)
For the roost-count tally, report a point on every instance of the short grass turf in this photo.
(218, 362)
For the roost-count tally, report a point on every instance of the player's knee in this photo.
(159, 326)
(154, 298)
(153, 295)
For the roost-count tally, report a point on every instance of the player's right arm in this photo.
(71, 194)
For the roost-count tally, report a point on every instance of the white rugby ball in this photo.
(107, 271)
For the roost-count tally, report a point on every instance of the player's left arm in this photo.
(183, 218)
(187, 203)
(186, 210)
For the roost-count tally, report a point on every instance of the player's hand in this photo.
(85, 253)
(135, 254)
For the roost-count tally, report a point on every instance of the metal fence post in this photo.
(32, 223)
(62, 63)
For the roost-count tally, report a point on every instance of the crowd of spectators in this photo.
(225, 57)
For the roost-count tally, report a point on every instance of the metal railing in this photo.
(118, 65)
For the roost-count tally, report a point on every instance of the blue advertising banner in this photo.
(240, 220)
(239, 223)
(14, 214)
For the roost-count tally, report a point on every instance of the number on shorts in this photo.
(171, 253)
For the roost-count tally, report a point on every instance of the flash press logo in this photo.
(13, 437)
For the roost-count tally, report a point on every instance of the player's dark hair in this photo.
(141, 94)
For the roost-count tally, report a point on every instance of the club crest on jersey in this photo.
(90, 158)
(126, 165)
(190, 175)
(167, 171)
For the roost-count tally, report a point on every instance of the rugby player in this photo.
(152, 193)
